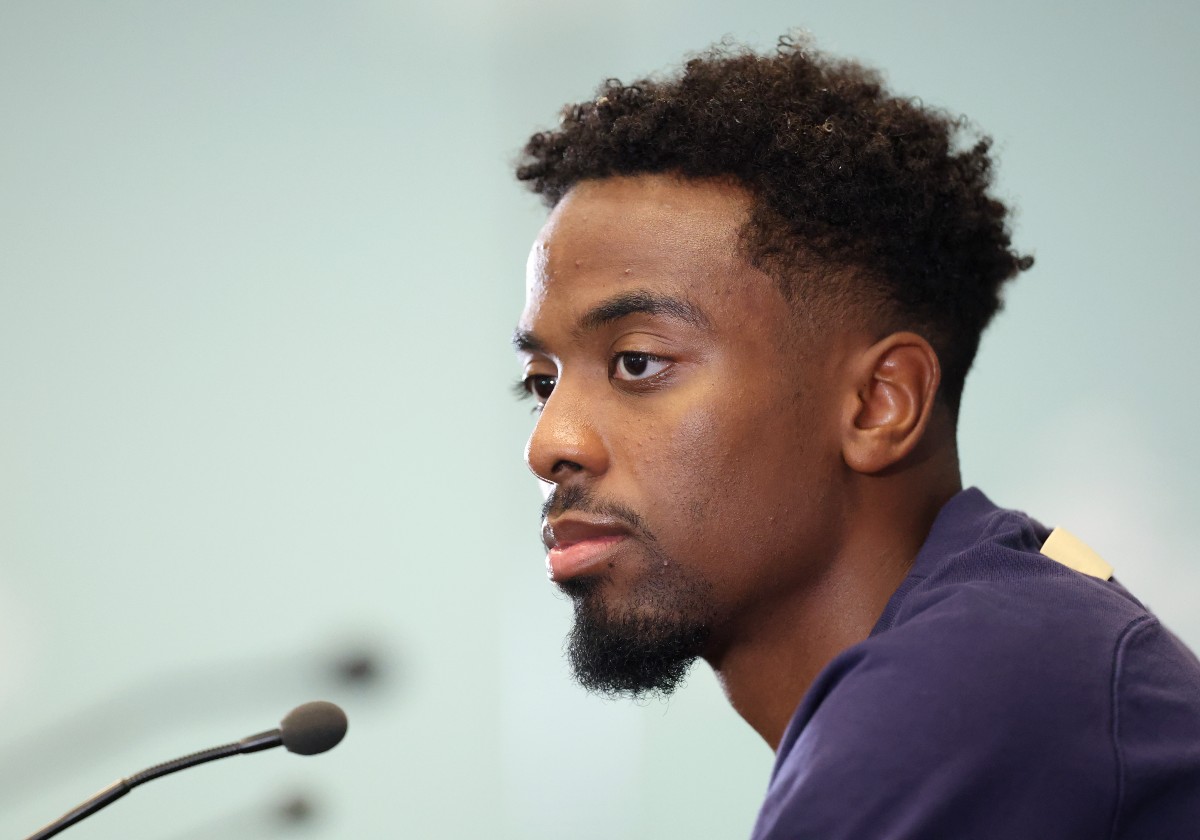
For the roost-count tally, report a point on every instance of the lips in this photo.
(576, 546)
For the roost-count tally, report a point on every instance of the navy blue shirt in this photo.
(1001, 695)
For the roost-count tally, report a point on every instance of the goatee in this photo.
(641, 648)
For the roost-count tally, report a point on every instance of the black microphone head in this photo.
(313, 728)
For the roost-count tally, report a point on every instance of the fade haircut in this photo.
(863, 203)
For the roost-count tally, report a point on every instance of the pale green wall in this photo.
(258, 267)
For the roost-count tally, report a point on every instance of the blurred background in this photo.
(259, 263)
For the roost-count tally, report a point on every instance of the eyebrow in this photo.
(527, 342)
(621, 306)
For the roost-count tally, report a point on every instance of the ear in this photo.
(896, 381)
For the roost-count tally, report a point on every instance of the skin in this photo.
(795, 469)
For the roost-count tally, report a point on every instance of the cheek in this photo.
(751, 479)
(711, 447)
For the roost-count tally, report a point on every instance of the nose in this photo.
(566, 440)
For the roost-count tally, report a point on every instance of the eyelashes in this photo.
(534, 387)
(521, 392)
(520, 389)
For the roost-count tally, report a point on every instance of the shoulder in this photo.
(1002, 671)
(980, 691)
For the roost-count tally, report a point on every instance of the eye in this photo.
(637, 366)
(539, 386)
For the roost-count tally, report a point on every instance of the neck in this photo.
(772, 659)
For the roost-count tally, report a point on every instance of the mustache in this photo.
(583, 500)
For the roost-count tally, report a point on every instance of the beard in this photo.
(644, 647)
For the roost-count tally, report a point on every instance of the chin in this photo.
(642, 643)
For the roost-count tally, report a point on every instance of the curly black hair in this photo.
(860, 198)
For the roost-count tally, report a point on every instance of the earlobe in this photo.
(896, 381)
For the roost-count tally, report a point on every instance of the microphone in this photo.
(306, 730)
(29, 759)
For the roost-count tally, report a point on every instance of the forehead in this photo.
(648, 232)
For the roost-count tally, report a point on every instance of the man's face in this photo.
(688, 428)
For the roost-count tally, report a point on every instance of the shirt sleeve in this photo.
(1157, 729)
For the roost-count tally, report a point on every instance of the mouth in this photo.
(577, 546)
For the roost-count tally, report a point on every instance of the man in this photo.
(749, 319)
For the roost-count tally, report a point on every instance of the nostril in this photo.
(566, 466)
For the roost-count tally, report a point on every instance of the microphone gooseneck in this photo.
(306, 730)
